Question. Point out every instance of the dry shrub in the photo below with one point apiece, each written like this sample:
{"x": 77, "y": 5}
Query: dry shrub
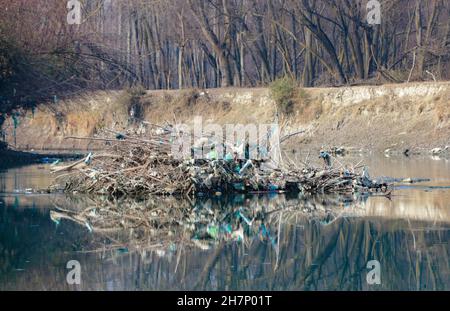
{"x": 283, "y": 92}
{"x": 189, "y": 98}
{"x": 136, "y": 93}
{"x": 226, "y": 106}
{"x": 290, "y": 98}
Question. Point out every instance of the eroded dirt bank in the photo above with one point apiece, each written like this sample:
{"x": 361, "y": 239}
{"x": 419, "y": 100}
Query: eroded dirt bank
{"x": 412, "y": 116}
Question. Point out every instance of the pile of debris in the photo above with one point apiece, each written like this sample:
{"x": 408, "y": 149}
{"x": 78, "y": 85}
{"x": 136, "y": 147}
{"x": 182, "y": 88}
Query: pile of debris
{"x": 137, "y": 166}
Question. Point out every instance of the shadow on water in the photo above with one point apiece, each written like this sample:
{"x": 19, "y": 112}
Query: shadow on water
{"x": 252, "y": 243}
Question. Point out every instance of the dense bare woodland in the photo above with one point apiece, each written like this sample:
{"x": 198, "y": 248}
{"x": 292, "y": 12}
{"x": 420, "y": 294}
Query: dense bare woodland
{"x": 170, "y": 44}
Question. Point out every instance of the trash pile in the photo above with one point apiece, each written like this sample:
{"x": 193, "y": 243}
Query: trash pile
{"x": 137, "y": 166}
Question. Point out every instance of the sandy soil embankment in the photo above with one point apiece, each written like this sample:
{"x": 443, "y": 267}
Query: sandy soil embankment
{"x": 412, "y": 116}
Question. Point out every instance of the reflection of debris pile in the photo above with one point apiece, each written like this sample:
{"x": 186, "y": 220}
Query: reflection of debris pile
{"x": 162, "y": 223}
{"x": 135, "y": 166}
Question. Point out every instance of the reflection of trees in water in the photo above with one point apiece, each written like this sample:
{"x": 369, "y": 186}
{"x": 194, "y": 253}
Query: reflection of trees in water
{"x": 2, "y": 183}
{"x": 31, "y": 247}
{"x": 312, "y": 250}
{"x": 314, "y": 257}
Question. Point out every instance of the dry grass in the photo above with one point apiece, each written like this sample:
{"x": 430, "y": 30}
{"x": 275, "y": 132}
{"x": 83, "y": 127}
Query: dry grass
{"x": 378, "y": 119}
{"x": 442, "y": 108}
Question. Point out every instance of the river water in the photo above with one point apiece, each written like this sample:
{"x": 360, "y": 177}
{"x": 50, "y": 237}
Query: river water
{"x": 408, "y": 235}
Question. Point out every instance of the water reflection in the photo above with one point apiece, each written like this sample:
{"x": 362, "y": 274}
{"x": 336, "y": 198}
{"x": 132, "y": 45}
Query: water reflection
{"x": 247, "y": 243}
{"x": 294, "y": 251}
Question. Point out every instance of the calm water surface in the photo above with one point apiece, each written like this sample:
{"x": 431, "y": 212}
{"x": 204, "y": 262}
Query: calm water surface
{"x": 409, "y": 235}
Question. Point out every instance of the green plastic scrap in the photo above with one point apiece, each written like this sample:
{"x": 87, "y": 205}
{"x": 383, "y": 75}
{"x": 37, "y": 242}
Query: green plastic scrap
{"x": 15, "y": 120}
{"x": 228, "y": 228}
{"x": 213, "y": 155}
{"x": 213, "y": 231}
{"x": 229, "y": 157}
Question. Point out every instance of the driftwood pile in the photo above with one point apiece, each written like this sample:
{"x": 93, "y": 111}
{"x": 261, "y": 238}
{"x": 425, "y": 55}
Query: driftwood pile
{"x": 135, "y": 166}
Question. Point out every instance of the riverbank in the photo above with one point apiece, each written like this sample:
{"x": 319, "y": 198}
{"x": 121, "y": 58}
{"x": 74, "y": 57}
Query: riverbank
{"x": 396, "y": 118}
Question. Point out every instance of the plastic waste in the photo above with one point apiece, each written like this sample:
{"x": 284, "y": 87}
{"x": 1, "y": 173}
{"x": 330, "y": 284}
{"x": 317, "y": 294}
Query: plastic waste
{"x": 239, "y": 186}
{"x": 120, "y": 136}
{"x": 365, "y": 178}
{"x": 248, "y": 221}
{"x": 15, "y": 120}
{"x": 238, "y": 235}
{"x": 273, "y": 188}
{"x": 228, "y": 157}
{"x": 122, "y": 250}
{"x": 213, "y": 231}
{"x": 89, "y": 227}
{"x": 326, "y": 157}
{"x": 245, "y": 167}
{"x": 56, "y": 219}
{"x": 213, "y": 155}
{"x": 227, "y": 228}
{"x": 172, "y": 247}
{"x": 88, "y": 159}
